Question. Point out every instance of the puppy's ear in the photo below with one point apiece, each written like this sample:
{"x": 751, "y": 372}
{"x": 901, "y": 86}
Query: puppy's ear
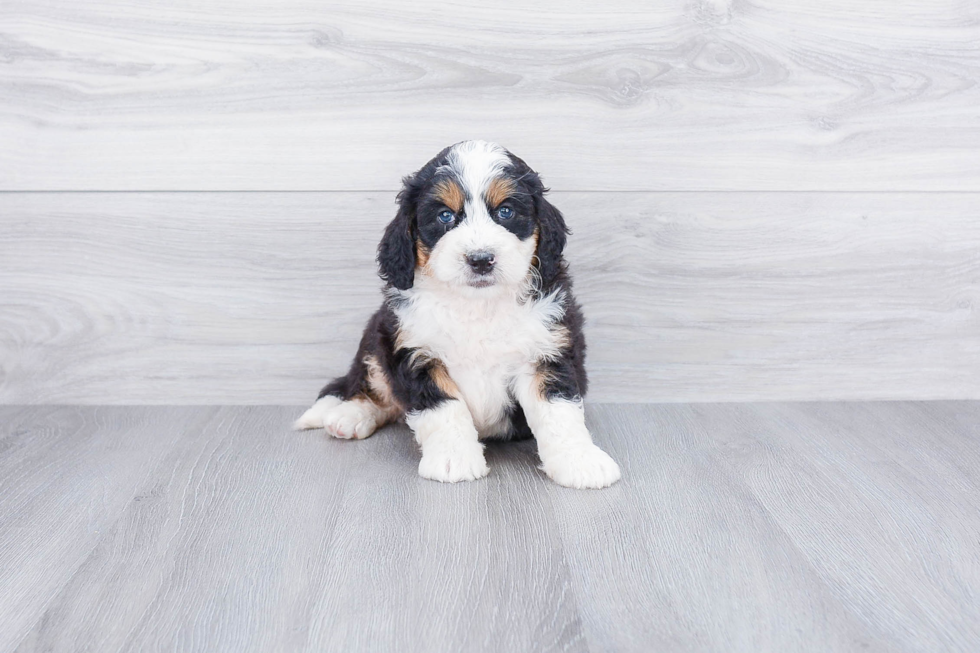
{"x": 396, "y": 252}
{"x": 552, "y": 233}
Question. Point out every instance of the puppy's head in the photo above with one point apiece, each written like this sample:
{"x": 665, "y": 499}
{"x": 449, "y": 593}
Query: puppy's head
{"x": 474, "y": 218}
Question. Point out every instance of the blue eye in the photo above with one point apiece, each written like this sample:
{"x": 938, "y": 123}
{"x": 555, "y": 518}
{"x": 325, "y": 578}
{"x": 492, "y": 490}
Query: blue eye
{"x": 445, "y": 217}
{"x": 505, "y": 213}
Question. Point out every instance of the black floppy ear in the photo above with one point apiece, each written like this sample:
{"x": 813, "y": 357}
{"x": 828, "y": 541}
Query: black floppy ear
{"x": 552, "y": 233}
{"x": 396, "y": 252}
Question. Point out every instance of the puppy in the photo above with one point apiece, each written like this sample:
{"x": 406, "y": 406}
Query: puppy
{"x": 478, "y": 336}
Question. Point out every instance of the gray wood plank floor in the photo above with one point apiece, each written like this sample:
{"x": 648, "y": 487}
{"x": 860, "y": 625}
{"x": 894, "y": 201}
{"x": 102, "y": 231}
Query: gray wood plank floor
{"x": 617, "y": 95}
{"x": 259, "y": 298}
{"x": 737, "y": 527}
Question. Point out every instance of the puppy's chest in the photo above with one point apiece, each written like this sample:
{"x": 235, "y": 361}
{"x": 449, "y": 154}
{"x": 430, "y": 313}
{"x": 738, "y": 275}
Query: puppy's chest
{"x": 478, "y": 335}
{"x": 483, "y": 345}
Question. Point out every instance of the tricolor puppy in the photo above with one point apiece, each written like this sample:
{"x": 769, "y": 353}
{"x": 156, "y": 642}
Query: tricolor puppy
{"x": 479, "y": 336}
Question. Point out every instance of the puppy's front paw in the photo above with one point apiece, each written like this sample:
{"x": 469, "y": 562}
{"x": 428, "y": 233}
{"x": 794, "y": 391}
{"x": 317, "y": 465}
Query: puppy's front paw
{"x": 453, "y": 462}
{"x": 581, "y": 466}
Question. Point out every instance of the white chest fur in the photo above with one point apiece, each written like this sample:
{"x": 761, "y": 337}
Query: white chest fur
{"x": 484, "y": 342}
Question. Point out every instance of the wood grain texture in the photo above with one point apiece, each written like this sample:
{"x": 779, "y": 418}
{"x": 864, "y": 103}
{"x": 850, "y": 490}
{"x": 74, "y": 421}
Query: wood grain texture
{"x": 254, "y": 538}
{"x": 446, "y": 567}
{"x": 303, "y": 94}
{"x": 129, "y": 298}
{"x": 781, "y": 527}
{"x": 680, "y": 556}
{"x": 737, "y": 527}
{"x": 66, "y": 476}
{"x": 887, "y": 501}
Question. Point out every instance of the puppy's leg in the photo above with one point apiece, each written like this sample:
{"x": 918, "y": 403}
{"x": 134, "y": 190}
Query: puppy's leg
{"x": 441, "y": 422}
{"x": 356, "y": 418}
{"x": 565, "y": 446}
{"x": 355, "y": 405}
{"x": 451, "y": 449}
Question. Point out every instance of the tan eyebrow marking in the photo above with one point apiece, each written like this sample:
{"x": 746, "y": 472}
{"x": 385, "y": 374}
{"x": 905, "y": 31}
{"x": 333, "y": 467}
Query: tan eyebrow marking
{"x": 500, "y": 188}
{"x": 450, "y": 194}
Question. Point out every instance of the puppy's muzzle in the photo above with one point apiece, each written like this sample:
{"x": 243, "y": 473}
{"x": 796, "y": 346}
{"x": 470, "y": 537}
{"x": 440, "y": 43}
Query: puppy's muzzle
{"x": 481, "y": 262}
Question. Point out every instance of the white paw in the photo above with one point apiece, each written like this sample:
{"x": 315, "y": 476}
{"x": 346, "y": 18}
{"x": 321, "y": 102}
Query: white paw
{"x": 581, "y": 467}
{"x": 453, "y": 461}
{"x": 348, "y": 420}
{"x": 313, "y": 418}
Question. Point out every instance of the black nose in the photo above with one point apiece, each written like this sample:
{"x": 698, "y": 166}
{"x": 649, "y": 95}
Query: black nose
{"x": 481, "y": 262}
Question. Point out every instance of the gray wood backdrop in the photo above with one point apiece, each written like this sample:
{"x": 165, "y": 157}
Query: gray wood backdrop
{"x": 770, "y": 200}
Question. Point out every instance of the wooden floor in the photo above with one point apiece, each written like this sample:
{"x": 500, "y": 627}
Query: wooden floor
{"x": 736, "y": 527}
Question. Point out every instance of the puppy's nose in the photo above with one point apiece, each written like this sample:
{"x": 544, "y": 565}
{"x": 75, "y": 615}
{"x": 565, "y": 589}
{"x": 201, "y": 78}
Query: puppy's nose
{"x": 481, "y": 262}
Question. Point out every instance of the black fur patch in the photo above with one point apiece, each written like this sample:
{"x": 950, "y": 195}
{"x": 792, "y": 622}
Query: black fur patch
{"x": 411, "y": 384}
{"x": 519, "y": 430}
{"x": 566, "y": 377}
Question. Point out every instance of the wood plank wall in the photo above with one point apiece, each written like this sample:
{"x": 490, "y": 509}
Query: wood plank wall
{"x": 770, "y": 200}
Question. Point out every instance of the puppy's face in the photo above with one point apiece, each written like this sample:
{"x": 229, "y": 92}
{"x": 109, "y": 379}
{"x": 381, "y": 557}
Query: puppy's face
{"x": 474, "y": 219}
{"x": 476, "y": 224}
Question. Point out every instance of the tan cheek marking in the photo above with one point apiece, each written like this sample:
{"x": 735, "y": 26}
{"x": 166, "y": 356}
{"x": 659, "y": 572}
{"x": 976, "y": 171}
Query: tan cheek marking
{"x": 500, "y": 188}
{"x": 450, "y": 194}
{"x": 534, "y": 256}
{"x": 422, "y": 257}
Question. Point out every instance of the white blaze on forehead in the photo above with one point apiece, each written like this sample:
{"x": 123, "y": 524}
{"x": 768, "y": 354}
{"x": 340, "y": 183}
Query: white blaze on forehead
{"x": 476, "y": 164}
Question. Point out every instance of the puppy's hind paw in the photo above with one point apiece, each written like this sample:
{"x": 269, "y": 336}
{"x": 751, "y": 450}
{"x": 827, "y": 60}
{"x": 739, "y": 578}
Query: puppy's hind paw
{"x": 313, "y": 417}
{"x": 354, "y": 419}
{"x": 581, "y": 467}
